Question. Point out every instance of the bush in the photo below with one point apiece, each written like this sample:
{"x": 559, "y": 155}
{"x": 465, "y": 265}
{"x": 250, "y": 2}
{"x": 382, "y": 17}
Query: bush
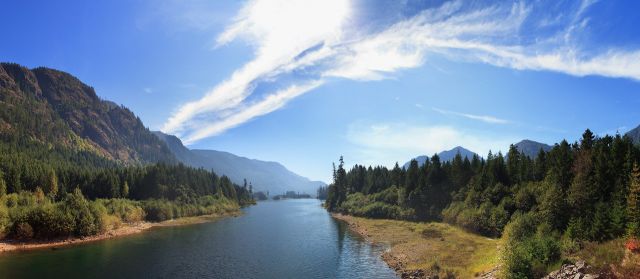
{"x": 157, "y": 210}
{"x": 78, "y": 207}
{"x": 358, "y": 204}
{"x": 5, "y": 221}
{"x": 21, "y": 216}
{"x": 23, "y": 231}
{"x": 99, "y": 213}
{"x": 529, "y": 249}
{"x": 126, "y": 210}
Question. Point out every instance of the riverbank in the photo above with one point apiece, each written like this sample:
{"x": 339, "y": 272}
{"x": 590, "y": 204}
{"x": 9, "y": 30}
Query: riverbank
{"x": 124, "y": 230}
{"x": 417, "y": 250}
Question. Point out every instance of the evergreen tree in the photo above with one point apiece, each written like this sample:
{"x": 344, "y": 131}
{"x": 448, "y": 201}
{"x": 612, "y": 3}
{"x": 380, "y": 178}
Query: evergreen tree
{"x": 52, "y": 184}
{"x": 124, "y": 192}
{"x": 3, "y": 185}
{"x": 412, "y": 176}
{"x": 633, "y": 203}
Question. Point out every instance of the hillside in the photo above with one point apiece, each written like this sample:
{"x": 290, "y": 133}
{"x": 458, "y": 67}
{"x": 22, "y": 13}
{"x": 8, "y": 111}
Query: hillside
{"x": 532, "y": 148}
{"x": 53, "y": 107}
{"x": 264, "y": 176}
{"x": 634, "y": 135}
{"x": 445, "y": 156}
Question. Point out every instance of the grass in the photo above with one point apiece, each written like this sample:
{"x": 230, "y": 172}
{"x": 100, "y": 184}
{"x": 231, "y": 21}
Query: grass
{"x": 428, "y": 245}
{"x": 609, "y": 257}
{"x": 600, "y": 255}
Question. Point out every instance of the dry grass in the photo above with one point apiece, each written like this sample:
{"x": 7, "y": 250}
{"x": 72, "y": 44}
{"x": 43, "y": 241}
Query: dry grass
{"x": 610, "y": 258}
{"x": 425, "y": 245}
{"x": 600, "y": 255}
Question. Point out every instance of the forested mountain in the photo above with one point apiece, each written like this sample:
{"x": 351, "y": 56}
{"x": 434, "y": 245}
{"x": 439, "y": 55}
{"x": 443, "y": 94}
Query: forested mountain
{"x": 72, "y": 164}
{"x": 542, "y": 207}
{"x": 531, "y": 148}
{"x": 264, "y": 176}
{"x": 444, "y": 156}
{"x": 54, "y": 107}
{"x": 634, "y": 135}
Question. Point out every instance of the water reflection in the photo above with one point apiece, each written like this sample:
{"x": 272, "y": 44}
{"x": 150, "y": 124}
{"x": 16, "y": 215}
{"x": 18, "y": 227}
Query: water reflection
{"x": 284, "y": 239}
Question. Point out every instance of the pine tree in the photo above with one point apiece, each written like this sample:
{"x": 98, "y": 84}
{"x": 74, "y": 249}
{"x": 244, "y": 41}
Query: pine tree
{"x": 412, "y": 176}
{"x": 125, "y": 190}
{"x": 633, "y": 203}
{"x": 3, "y": 185}
{"x": 52, "y": 184}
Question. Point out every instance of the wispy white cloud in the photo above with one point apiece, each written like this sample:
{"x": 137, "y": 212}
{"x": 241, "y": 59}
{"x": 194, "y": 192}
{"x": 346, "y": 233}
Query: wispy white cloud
{"x": 304, "y": 42}
{"x": 280, "y": 30}
{"x": 483, "y": 118}
{"x": 245, "y": 113}
{"x": 148, "y": 90}
{"x": 397, "y": 142}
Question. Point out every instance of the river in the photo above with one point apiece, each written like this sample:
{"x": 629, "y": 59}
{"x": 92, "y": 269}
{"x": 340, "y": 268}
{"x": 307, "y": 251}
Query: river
{"x": 273, "y": 239}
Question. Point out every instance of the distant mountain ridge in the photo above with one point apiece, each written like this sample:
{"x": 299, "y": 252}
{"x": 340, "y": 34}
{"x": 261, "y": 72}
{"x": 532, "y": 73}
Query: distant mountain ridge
{"x": 445, "y": 156}
{"x": 528, "y": 147}
{"x": 264, "y": 176}
{"x": 53, "y": 107}
{"x": 531, "y": 148}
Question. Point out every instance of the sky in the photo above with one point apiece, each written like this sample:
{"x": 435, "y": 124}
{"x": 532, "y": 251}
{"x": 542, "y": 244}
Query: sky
{"x": 303, "y": 82}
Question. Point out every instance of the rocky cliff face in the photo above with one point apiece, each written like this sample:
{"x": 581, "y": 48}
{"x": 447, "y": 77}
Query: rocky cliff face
{"x": 54, "y": 107}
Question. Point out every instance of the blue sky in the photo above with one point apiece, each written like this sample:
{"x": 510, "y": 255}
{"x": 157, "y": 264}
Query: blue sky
{"x": 303, "y": 82}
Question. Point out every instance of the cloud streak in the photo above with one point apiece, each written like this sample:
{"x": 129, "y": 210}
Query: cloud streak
{"x": 483, "y": 118}
{"x": 301, "y": 44}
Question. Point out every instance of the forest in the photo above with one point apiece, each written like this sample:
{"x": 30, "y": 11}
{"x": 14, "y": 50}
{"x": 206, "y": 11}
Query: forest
{"x": 541, "y": 207}
{"x": 48, "y": 191}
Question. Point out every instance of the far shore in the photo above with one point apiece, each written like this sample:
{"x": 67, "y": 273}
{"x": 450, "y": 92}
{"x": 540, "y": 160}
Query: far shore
{"x": 126, "y": 229}
{"x": 419, "y": 249}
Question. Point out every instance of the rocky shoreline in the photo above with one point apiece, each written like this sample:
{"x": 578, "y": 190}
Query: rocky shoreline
{"x": 125, "y": 230}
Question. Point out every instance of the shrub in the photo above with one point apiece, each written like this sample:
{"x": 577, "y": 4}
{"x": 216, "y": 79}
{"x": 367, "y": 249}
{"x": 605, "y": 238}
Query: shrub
{"x": 632, "y": 245}
{"x": 5, "y": 222}
{"x": 529, "y": 248}
{"x": 11, "y": 200}
{"x": 23, "y": 231}
{"x": 126, "y": 210}
{"x": 157, "y": 210}
{"x": 78, "y": 207}
{"x": 99, "y": 213}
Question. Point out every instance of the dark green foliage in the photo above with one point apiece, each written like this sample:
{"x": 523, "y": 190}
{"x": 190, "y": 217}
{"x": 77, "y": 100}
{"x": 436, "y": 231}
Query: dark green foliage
{"x": 322, "y": 192}
{"x": 530, "y": 247}
{"x": 633, "y": 203}
{"x": 582, "y": 192}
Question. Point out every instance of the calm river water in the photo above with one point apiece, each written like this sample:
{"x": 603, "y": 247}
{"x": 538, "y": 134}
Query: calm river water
{"x": 274, "y": 239}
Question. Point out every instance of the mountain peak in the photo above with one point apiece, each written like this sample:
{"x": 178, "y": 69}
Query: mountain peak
{"x": 634, "y": 134}
{"x": 444, "y": 156}
{"x": 531, "y": 148}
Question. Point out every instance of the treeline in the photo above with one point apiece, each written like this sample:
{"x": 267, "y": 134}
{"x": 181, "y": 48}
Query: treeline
{"x": 48, "y": 191}
{"x": 542, "y": 207}
{"x": 292, "y": 195}
{"x": 61, "y": 171}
